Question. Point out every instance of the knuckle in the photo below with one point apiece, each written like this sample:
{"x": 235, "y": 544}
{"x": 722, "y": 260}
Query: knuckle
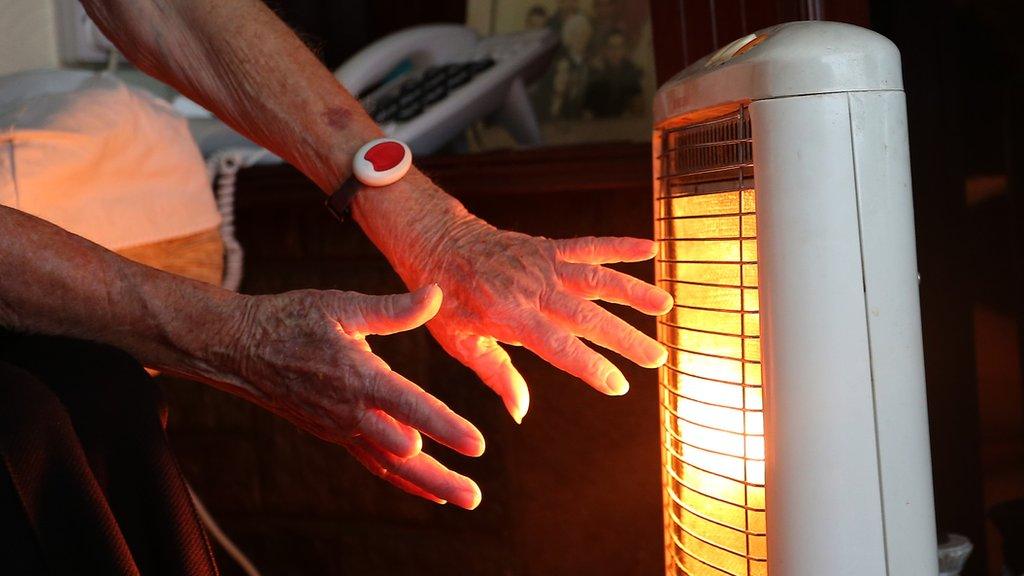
{"x": 588, "y": 247}
{"x": 597, "y": 366}
{"x": 399, "y": 467}
{"x": 627, "y": 284}
{"x": 547, "y": 299}
{"x": 400, "y": 408}
{"x": 450, "y": 485}
{"x": 523, "y": 324}
{"x": 592, "y": 276}
{"x": 632, "y": 339}
{"x": 374, "y": 388}
{"x": 562, "y": 345}
{"x": 518, "y": 311}
{"x": 551, "y": 247}
{"x": 342, "y": 298}
{"x": 589, "y": 316}
{"x": 360, "y": 424}
{"x": 414, "y": 408}
{"x": 391, "y": 304}
{"x": 354, "y": 321}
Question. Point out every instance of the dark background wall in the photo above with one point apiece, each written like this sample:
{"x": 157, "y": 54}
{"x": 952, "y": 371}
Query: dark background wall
{"x": 336, "y": 30}
{"x": 962, "y": 69}
{"x": 575, "y": 489}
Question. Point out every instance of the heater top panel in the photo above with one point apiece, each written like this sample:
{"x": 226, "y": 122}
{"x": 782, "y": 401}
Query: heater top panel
{"x": 792, "y": 59}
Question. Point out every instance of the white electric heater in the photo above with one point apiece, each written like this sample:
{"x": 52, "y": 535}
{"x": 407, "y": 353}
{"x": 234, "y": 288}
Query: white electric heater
{"x": 795, "y": 432}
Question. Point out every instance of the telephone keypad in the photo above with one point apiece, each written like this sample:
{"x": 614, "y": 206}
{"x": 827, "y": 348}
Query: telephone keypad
{"x": 430, "y": 86}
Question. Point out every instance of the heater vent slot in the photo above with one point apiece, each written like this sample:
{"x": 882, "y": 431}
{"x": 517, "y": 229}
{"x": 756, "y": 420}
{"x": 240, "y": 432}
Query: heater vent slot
{"x": 716, "y": 153}
{"x": 711, "y": 389}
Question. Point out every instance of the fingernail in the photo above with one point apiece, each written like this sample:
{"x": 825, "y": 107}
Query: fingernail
{"x": 666, "y": 303}
{"x": 517, "y": 408}
{"x": 467, "y": 497}
{"x": 662, "y": 358}
{"x": 616, "y": 384}
{"x": 514, "y": 413}
{"x": 474, "y": 446}
{"x": 473, "y": 498}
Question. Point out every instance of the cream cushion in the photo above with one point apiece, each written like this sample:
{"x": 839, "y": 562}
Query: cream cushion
{"x": 106, "y": 161}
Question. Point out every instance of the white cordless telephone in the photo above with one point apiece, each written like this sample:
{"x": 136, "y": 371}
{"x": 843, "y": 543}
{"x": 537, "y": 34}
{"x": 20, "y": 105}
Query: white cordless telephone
{"x": 426, "y": 84}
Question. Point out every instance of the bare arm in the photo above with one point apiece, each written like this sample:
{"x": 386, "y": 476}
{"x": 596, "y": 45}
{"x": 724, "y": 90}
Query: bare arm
{"x": 54, "y": 282}
{"x": 302, "y": 355}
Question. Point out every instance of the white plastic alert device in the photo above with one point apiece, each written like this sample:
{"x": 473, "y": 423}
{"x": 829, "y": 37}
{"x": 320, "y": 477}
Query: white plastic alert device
{"x": 794, "y": 417}
{"x": 377, "y": 163}
{"x": 381, "y": 162}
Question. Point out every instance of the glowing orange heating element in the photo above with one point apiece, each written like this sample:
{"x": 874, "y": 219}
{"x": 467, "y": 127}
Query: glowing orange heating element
{"x": 714, "y": 448}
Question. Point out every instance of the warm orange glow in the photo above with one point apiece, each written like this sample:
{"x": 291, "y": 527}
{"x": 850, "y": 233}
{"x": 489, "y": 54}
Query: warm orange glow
{"x": 711, "y": 386}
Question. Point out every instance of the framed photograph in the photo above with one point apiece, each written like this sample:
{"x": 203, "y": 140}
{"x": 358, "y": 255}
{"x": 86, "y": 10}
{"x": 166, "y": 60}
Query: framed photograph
{"x": 599, "y": 85}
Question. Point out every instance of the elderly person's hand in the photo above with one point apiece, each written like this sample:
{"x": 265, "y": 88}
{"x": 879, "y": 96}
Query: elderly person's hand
{"x": 499, "y": 286}
{"x": 303, "y": 355}
{"x": 516, "y": 289}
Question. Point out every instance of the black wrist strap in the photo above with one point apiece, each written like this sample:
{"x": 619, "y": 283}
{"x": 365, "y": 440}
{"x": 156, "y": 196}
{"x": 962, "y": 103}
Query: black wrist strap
{"x": 340, "y": 202}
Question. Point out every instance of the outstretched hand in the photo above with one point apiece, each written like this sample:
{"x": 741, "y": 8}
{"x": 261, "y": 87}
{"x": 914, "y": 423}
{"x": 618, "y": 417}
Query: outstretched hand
{"x": 511, "y": 288}
{"x": 304, "y": 356}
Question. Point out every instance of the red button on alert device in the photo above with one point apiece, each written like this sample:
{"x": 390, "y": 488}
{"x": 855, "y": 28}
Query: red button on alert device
{"x": 381, "y": 162}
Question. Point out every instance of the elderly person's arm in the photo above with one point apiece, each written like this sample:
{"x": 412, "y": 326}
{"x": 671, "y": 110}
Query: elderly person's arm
{"x": 240, "y": 61}
{"x": 302, "y": 355}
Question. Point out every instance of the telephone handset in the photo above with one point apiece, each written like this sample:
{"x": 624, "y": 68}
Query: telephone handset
{"x": 420, "y": 46}
{"x": 426, "y": 84}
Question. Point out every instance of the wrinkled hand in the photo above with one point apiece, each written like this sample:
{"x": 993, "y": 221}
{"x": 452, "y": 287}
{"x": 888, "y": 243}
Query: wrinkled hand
{"x": 304, "y": 356}
{"x": 516, "y": 289}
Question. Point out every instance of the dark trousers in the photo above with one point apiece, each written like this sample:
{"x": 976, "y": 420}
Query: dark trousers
{"x": 88, "y": 484}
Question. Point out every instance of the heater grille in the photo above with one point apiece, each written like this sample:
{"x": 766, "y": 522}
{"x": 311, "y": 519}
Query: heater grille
{"x": 713, "y": 425}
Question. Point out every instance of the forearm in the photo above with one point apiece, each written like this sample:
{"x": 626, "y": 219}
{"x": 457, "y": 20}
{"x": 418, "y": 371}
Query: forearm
{"x": 291, "y": 353}
{"x": 54, "y": 282}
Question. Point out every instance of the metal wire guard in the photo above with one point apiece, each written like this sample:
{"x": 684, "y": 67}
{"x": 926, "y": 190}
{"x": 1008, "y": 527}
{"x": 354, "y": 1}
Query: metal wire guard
{"x": 711, "y": 400}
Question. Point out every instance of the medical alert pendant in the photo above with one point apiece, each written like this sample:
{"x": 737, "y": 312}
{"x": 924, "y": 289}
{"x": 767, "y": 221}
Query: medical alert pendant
{"x": 377, "y": 163}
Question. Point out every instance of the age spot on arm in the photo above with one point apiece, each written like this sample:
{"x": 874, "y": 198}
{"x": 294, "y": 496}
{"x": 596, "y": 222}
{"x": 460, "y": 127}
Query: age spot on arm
{"x": 337, "y": 117}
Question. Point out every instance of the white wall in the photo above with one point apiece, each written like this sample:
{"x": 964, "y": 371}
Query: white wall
{"x": 28, "y": 35}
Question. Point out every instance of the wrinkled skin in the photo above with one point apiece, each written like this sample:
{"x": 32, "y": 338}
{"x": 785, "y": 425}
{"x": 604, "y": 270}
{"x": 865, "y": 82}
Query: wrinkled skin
{"x": 304, "y": 354}
{"x": 511, "y": 288}
{"x": 306, "y": 359}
